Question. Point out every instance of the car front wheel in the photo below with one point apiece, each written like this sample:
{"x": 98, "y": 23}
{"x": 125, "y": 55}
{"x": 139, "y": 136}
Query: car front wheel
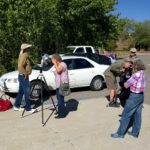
{"x": 35, "y": 88}
{"x": 96, "y": 84}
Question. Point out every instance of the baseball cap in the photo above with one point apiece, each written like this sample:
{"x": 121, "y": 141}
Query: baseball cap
{"x": 133, "y": 50}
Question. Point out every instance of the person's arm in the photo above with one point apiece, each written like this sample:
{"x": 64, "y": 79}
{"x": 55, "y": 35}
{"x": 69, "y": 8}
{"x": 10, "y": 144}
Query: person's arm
{"x": 113, "y": 67}
{"x": 59, "y": 68}
{"x": 131, "y": 81}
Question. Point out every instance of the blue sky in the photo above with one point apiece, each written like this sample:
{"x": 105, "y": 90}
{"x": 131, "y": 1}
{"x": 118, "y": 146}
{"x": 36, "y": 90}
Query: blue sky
{"x": 138, "y": 10}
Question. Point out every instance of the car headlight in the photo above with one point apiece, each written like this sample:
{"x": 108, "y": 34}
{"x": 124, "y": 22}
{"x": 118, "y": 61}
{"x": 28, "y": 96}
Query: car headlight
{"x": 2, "y": 79}
{"x": 13, "y": 80}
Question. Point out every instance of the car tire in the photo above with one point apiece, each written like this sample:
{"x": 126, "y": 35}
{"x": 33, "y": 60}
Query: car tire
{"x": 97, "y": 83}
{"x": 35, "y": 88}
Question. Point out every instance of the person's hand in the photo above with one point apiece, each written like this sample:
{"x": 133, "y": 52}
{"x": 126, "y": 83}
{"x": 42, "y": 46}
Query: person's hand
{"x": 25, "y": 76}
{"x": 122, "y": 70}
{"x": 54, "y": 62}
{"x": 125, "y": 85}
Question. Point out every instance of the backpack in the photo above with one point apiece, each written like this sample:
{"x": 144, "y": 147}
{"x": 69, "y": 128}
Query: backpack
{"x": 5, "y": 105}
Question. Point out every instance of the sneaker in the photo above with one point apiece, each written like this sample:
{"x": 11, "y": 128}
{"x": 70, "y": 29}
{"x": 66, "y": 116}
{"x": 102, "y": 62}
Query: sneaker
{"x": 18, "y": 109}
{"x": 32, "y": 111}
{"x": 116, "y": 135}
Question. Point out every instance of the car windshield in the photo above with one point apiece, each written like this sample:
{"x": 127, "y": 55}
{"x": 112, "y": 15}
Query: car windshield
{"x": 100, "y": 59}
{"x": 45, "y": 67}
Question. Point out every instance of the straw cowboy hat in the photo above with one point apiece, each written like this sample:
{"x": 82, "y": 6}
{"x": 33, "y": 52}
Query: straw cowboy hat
{"x": 25, "y": 46}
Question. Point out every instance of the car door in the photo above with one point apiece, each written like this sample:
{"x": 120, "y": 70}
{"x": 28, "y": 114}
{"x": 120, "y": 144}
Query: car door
{"x": 70, "y": 66}
{"x": 83, "y": 72}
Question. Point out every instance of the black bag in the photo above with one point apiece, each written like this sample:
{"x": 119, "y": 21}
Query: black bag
{"x": 64, "y": 89}
{"x": 123, "y": 96}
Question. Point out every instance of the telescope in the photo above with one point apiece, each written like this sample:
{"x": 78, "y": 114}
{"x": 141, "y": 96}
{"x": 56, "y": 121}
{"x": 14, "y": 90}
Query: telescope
{"x": 45, "y": 61}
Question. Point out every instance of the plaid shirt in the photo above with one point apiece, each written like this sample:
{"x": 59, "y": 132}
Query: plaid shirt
{"x": 137, "y": 82}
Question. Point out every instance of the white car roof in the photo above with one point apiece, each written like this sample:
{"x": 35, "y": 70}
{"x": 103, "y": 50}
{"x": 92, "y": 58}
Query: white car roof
{"x": 82, "y": 57}
{"x": 79, "y": 46}
{"x": 71, "y": 56}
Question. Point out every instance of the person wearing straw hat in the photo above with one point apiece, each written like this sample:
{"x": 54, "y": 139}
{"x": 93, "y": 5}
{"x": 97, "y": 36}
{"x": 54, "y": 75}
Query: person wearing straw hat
{"x": 24, "y": 68}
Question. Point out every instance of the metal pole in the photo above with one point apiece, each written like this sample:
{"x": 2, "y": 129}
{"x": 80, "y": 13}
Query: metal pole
{"x": 42, "y": 100}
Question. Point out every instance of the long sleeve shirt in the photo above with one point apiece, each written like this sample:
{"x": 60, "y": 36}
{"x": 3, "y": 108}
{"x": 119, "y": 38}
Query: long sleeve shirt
{"x": 24, "y": 64}
{"x": 137, "y": 82}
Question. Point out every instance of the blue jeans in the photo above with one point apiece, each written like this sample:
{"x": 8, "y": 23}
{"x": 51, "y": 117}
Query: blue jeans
{"x": 61, "y": 104}
{"x": 132, "y": 112}
{"x": 24, "y": 88}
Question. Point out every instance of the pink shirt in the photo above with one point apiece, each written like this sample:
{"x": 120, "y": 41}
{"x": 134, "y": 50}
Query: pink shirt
{"x": 63, "y": 77}
{"x": 137, "y": 82}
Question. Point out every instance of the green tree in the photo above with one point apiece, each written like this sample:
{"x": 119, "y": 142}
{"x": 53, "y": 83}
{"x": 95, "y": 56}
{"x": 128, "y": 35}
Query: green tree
{"x": 88, "y": 22}
{"x": 137, "y": 34}
{"x": 142, "y": 35}
{"x": 51, "y": 25}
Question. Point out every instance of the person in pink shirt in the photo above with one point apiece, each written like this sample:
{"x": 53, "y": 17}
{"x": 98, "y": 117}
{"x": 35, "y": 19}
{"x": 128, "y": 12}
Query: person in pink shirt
{"x": 61, "y": 76}
{"x": 132, "y": 112}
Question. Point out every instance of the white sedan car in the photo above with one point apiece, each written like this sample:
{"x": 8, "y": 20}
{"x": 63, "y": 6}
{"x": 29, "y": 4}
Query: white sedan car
{"x": 83, "y": 72}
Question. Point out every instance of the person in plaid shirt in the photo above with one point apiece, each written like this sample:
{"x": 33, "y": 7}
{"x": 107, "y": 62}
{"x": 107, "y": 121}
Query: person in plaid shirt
{"x": 132, "y": 112}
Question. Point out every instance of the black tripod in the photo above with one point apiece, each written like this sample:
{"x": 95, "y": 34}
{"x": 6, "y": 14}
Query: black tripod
{"x": 5, "y": 89}
{"x": 42, "y": 79}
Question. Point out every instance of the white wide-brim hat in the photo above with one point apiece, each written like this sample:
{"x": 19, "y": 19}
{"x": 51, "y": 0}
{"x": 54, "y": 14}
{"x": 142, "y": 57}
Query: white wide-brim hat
{"x": 25, "y": 46}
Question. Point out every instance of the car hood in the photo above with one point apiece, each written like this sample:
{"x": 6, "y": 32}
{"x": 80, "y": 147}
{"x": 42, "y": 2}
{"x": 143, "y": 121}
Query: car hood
{"x": 14, "y": 74}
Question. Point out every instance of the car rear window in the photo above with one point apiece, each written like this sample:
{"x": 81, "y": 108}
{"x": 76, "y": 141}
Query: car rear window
{"x": 100, "y": 59}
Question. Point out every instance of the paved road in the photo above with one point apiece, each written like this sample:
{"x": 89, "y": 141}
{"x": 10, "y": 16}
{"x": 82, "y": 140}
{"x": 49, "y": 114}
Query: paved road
{"x": 87, "y": 126}
{"x": 85, "y": 93}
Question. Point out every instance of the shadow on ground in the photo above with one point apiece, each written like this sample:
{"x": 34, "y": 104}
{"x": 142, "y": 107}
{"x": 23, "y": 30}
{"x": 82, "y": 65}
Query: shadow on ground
{"x": 72, "y": 105}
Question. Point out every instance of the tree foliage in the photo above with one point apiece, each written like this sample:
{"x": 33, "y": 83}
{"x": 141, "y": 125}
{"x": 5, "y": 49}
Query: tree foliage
{"x": 51, "y": 25}
{"x": 142, "y": 35}
{"x": 138, "y": 33}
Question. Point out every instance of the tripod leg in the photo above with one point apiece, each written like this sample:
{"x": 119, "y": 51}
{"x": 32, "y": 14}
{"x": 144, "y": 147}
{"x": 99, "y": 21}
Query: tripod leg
{"x": 50, "y": 96}
{"x": 54, "y": 104}
{"x": 42, "y": 101}
{"x": 23, "y": 112}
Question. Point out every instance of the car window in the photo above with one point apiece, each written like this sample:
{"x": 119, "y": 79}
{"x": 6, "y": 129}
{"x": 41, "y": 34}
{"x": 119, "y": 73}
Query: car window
{"x": 89, "y": 50}
{"x": 100, "y": 59}
{"x": 82, "y": 64}
{"x": 104, "y": 60}
{"x": 96, "y": 51}
{"x": 69, "y": 63}
{"x": 94, "y": 58}
{"x": 79, "y": 50}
